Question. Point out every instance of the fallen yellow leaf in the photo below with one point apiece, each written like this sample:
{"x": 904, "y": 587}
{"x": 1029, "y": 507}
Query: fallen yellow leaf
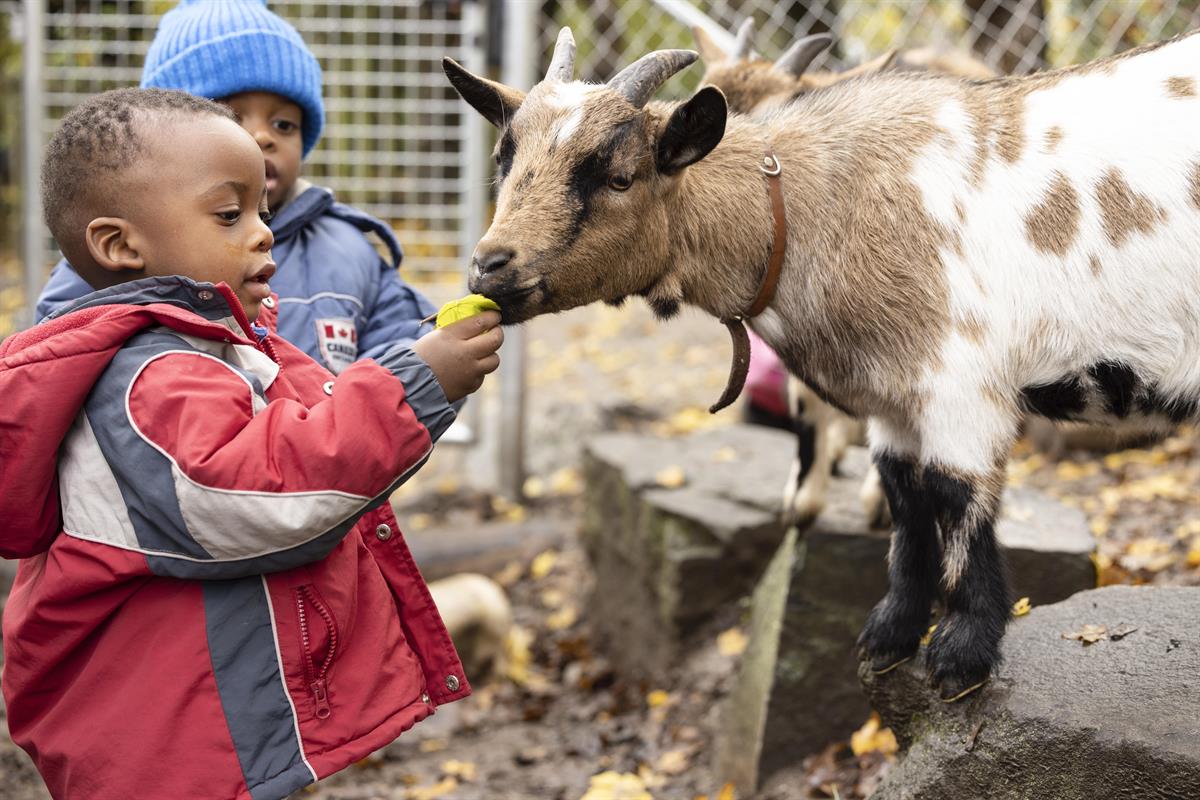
{"x": 671, "y": 478}
{"x": 534, "y": 487}
{"x": 1193, "y": 556}
{"x": 1088, "y": 634}
{"x": 562, "y": 619}
{"x": 433, "y": 745}
{"x": 731, "y": 642}
{"x": 439, "y": 789}
{"x": 463, "y": 770}
{"x": 873, "y": 737}
{"x": 616, "y": 786}
{"x": 542, "y": 564}
{"x": 672, "y": 762}
{"x": 657, "y": 698}
{"x": 518, "y": 655}
{"x": 1115, "y": 461}
{"x": 1073, "y": 471}
{"x": 566, "y": 481}
{"x": 727, "y": 793}
{"x": 1021, "y": 607}
{"x": 650, "y": 778}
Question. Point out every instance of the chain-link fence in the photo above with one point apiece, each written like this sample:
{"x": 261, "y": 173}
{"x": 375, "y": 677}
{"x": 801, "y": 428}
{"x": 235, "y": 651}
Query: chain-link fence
{"x": 396, "y": 134}
{"x": 1010, "y": 36}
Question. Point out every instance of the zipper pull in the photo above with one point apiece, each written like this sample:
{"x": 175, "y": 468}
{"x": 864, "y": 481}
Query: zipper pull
{"x": 321, "y": 696}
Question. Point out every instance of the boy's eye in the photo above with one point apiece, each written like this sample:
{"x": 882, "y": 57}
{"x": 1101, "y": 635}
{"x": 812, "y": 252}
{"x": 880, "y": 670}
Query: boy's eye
{"x": 285, "y": 126}
{"x": 230, "y": 216}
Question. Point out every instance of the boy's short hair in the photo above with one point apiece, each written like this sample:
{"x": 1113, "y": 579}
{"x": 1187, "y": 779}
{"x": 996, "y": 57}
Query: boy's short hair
{"x": 95, "y": 142}
{"x": 219, "y": 48}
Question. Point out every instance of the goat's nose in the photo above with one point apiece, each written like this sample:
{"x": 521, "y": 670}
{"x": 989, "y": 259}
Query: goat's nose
{"x": 492, "y": 260}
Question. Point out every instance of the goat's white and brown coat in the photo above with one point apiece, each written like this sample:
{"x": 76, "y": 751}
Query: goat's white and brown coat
{"x": 957, "y": 252}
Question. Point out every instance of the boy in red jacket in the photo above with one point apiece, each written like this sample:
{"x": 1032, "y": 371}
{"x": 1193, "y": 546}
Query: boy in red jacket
{"x": 214, "y": 599}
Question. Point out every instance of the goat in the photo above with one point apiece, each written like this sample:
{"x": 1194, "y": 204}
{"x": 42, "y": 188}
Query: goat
{"x": 479, "y": 617}
{"x": 753, "y": 85}
{"x": 957, "y": 253}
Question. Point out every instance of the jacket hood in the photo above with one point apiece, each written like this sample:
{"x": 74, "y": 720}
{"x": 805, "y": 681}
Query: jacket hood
{"x": 47, "y": 371}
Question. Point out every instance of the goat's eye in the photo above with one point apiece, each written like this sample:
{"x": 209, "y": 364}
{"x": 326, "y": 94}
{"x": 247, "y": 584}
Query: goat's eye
{"x": 619, "y": 183}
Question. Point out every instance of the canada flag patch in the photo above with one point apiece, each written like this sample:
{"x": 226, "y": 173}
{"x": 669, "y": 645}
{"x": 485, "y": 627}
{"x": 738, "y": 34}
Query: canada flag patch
{"x": 337, "y": 339}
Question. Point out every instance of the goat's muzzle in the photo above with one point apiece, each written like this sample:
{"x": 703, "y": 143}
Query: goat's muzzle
{"x": 491, "y": 260}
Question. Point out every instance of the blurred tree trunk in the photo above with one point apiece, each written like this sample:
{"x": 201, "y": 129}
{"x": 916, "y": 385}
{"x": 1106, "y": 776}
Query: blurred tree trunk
{"x": 1009, "y": 34}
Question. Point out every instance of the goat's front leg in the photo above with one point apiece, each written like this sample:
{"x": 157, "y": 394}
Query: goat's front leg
{"x": 895, "y": 626}
{"x": 966, "y": 645}
{"x": 964, "y": 449}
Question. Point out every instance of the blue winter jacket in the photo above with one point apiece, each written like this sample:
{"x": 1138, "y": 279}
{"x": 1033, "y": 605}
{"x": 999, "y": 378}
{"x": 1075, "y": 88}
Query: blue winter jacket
{"x": 339, "y": 300}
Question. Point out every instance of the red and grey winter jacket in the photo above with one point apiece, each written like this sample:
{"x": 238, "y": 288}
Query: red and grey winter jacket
{"x": 214, "y": 599}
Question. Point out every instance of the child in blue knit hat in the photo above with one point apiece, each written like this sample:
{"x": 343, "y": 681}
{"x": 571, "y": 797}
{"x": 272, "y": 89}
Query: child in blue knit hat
{"x": 338, "y": 300}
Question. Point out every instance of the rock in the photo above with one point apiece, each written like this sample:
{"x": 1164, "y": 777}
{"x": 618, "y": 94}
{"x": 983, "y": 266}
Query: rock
{"x": 486, "y": 547}
{"x": 667, "y": 557}
{"x": 796, "y": 688}
{"x": 1115, "y": 719}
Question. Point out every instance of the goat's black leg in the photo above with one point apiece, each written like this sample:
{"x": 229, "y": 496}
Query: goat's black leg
{"x": 966, "y": 645}
{"x": 895, "y": 626}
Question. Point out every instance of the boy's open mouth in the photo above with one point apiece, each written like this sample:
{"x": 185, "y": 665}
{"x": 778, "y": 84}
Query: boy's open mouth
{"x": 272, "y": 176}
{"x": 258, "y": 283}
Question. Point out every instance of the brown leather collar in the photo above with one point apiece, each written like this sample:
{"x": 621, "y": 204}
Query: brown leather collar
{"x": 740, "y": 365}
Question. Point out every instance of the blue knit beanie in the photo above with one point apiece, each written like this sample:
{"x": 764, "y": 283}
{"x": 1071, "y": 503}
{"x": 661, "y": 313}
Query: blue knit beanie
{"x": 217, "y": 48}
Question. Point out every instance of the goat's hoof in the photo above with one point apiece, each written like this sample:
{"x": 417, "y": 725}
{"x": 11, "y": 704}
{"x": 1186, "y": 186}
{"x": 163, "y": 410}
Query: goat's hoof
{"x": 960, "y": 658}
{"x": 881, "y": 667}
{"x": 889, "y": 639}
{"x": 951, "y": 693}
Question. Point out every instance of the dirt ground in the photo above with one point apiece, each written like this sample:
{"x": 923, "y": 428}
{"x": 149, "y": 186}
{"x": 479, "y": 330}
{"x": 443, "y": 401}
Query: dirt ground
{"x": 559, "y": 723}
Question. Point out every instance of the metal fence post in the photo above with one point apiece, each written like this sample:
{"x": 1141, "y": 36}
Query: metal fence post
{"x": 32, "y": 107}
{"x": 519, "y": 69}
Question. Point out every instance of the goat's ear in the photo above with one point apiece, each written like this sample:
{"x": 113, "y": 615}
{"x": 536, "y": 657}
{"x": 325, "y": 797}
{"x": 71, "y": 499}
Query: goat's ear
{"x": 693, "y": 130}
{"x": 877, "y": 64}
{"x": 495, "y": 101}
{"x": 710, "y": 51}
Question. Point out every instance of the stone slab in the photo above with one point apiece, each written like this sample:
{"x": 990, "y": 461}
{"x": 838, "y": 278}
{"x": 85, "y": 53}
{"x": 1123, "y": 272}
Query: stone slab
{"x": 1115, "y": 719}
{"x": 796, "y": 689}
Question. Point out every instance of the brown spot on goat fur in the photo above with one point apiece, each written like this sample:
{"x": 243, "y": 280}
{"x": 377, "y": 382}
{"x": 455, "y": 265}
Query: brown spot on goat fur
{"x": 1094, "y": 263}
{"x": 960, "y": 213}
{"x": 1051, "y": 225}
{"x": 1194, "y": 184}
{"x": 971, "y": 326}
{"x": 1054, "y": 135}
{"x": 1181, "y": 88}
{"x": 1122, "y": 210}
{"x": 1010, "y": 134}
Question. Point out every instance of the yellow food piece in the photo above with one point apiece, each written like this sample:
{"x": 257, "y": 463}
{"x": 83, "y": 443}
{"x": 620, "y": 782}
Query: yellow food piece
{"x": 463, "y": 308}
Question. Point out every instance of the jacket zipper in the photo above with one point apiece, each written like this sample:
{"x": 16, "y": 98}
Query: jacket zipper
{"x": 314, "y": 677}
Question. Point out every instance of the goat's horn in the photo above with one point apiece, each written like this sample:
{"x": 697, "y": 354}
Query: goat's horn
{"x": 638, "y": 82}
{"x": 562, "y": 64}
{"x": 801, "y": 54}
{"x": 742, "y": 45}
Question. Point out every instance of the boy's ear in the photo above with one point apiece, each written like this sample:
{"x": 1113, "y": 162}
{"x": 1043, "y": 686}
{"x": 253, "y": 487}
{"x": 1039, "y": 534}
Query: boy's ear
{"x": 108, "y": 242}
{"x": 693, "y": 130}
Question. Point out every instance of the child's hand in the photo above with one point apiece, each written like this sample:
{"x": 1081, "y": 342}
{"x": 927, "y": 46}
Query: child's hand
{"x": 462, "y": 353}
